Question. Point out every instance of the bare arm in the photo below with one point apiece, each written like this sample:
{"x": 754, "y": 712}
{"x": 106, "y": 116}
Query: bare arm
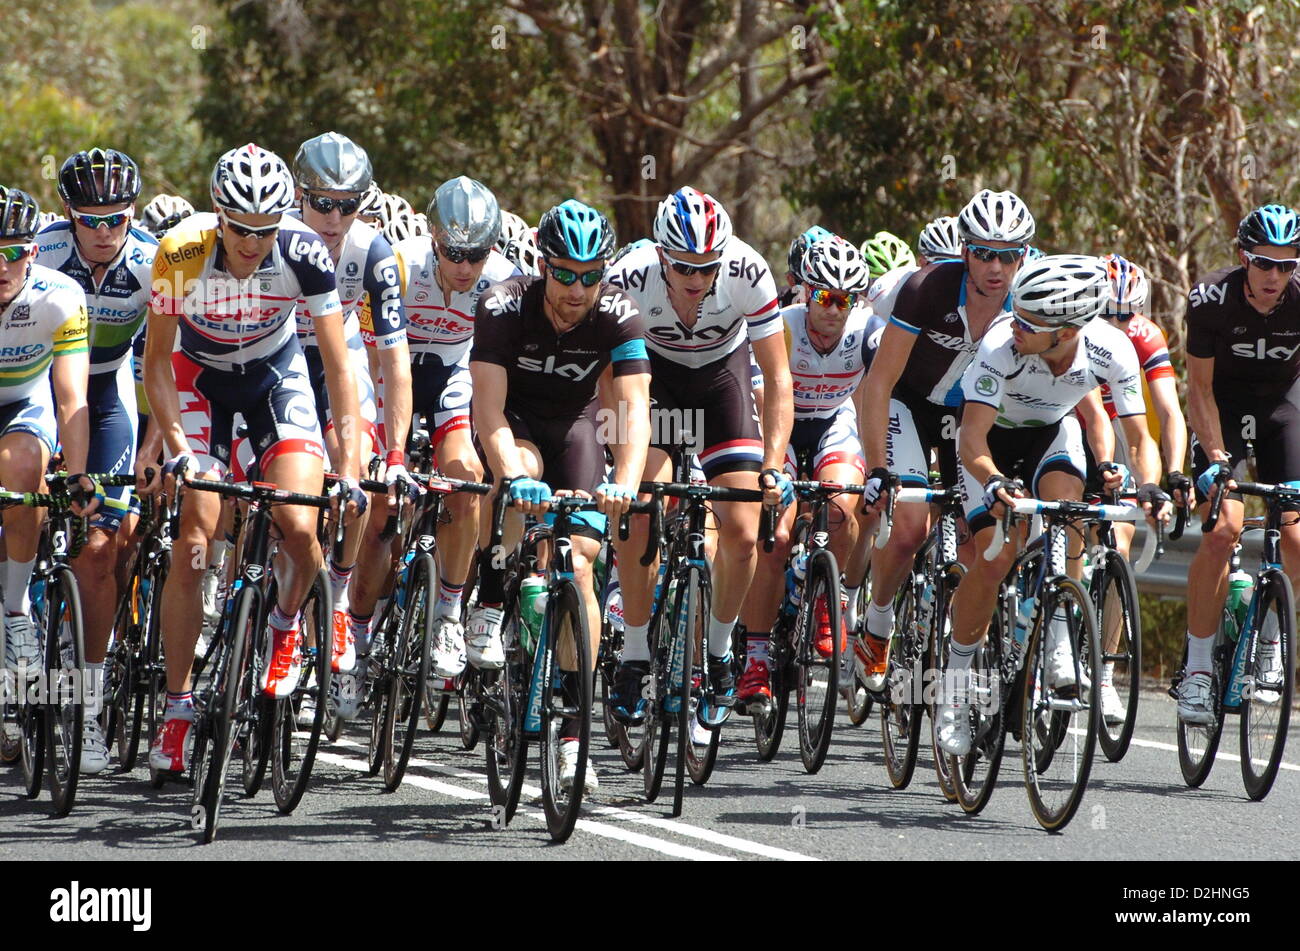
{"x": 489, "y": 409}
{"x": 1202, "y": 410}
{"x": 1146, "y": 457}
{"x": 1173, "y": 428}
{"x": 631, "y": 393}
{"x": 1101, "y": 437}
{"x": 396, "y": 364}
{"x": 891, "y": 357}
{"x": 778, "y": 398}
{"x": 973, "y": 440}
{"x": 341, "y": 385}
{"x": 160, "y": 382}
{"x": 70, "y": 374}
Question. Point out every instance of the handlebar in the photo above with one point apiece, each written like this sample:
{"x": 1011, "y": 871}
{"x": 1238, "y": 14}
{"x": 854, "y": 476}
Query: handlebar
{"x": 1078, "y": 510}
{"x": 1221, "y": 479}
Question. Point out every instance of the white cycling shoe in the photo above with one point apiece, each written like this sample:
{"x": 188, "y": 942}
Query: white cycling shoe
{"x": 1194, "y": 700}
{"x": 448, "y": 647}
{"x": 483, "y": 639}
{"x": 569, "y": 768}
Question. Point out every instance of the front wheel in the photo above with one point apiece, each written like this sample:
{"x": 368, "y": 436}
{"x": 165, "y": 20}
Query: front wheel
{"x": 1199, "y": 742}
{"x": 817, "y": 659}
{"x": 566, "y": 712}
{"x": 1270, "y": 685}
{"x": 900, "y": 714}
{"x": 975, "y": 775}
{"x": 409, "y": 671}
{"x": 505, "y": 743}
{"x": 297, "y": 720}
{"x": 1114, "y": 598}
{"x": 65, "y": 665}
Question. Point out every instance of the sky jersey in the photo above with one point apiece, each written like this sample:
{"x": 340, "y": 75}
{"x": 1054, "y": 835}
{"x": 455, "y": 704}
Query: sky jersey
{"x": 824, "y": 382}
{"x": 47, "y": 319}
{"x": 554, "y": 375}
{"x": 932, "y": 306}
{"x": 227, "y": 323}
{"x": 741, "y": 306}
{"x": 118, "y": 306}
{"x": 1254, "y": 355}
{"x": 368, "y": 277}
{"x": 437, "y": 327}
{"x": 1026, "y": 393}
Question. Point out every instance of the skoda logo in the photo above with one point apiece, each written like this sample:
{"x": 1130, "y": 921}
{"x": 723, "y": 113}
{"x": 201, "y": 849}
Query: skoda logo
{"x": 986, "y": 386}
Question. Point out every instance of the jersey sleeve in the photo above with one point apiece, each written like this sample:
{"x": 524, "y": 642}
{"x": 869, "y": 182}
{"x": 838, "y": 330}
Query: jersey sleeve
{"x": 908, "y": 310}
{"x": 494, "y": 318}
{"x": 1125, "y": 379}
{"x": 382, "y": 284}
{"x": 757, "y": 298}
{"x": 73, "y": 334}
{"x": 627, "y": 350}
{"x": 180, "y": 254}
{"x": 1201, "y": 329}
{"x": 985, "y": 379}
{"x": 1152, "y": 350}
{"x": 309, "y": 259}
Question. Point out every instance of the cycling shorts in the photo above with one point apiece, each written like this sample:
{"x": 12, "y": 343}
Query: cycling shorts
{"x": 273, "y": 396}
{"x": 442, "y": 394}
{"x": 34, "y": 415}
{"x": 111, "y": 399}
{"x": 365, "y": 392}
{"x": 709, "y": 409}
{"x": 917, "y": 428}
{"x": 1025, "y": 453}
{"x": 1272, "y": 427}
{"x": 817, "y": 443}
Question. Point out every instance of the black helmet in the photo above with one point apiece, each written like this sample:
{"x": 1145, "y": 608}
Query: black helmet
{"x": 99, "y": 177}
{"x": 18, "y": 214}
{"x": 575, "y": 231}
{"x": 1269, "y": 224}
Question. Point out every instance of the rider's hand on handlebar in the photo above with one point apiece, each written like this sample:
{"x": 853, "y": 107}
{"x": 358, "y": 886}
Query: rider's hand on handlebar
{"x": 530, "y": 496}
{"x": 999, "y": 491}
{"x": 776, "y": 487}
{"x": 1154, "y": 502}
{"x": 615, "y": 499}
{"x": 873, "y": 490}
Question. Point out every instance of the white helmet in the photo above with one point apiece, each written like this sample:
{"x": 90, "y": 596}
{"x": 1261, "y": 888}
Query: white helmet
{"x": 391, "y": 205}
{"x": 835, "y": 264}
{"x": 1128, "y": 286}
{"x": 405, "y": 224}
{"x": 371, "y": 202}
{"x": 523, "y": 254}
{"x": 995, "y": 216}
{"x": 164, "y": 212}
{"x": 45, "y": 219}
{"x": 1062, "y": 290}
{"x": 939, "y": 240}
{"x": 250, "y": 180}
{"x": 512, "y": 228}
{"x": 691, "y": 221}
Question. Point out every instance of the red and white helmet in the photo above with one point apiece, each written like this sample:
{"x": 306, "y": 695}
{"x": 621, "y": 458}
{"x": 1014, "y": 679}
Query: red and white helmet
{"x": 250, "y": 180}
{"x": 692, "y": 222}
{"x": 1128, "y": 286}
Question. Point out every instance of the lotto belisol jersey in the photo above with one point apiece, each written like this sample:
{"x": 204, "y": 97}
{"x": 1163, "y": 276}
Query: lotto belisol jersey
{"x": 47, "y": 319}
{"x": 118, "y": 302}
{"x": 435, "y": 324}
{"x": 1025, "y": 391}
{"x": 931, "y": 305}
{"x": 741, "y": 306}
{"x": 549, "y": 374}
{"x": 823, "y": 382}
{"x": 883, "y": 292}
{"x": 228, "y": 322}
{"x": 369, "y": 282}
{"x": 1255, "y": 355}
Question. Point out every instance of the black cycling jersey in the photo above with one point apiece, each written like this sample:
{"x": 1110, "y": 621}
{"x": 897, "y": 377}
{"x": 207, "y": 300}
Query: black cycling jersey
{"x": 1255, "y": 355}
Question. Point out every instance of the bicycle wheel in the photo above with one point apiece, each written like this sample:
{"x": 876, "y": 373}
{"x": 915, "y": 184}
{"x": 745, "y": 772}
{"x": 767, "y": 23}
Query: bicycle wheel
{"x": 409, "y": 670}
{"x": 123, "y": 696}
{"x": 469, "y": 730}
{"x": 435, "y": 708}
{"x": 817, "y": 674}
{"x": 680, "y": 696}
{"x": 901, "y": 715}
{"x": 154, "y": 672}
{"x": 234, "y": 690}
{"x": 506, "y": 744}
{"x": 65, "y": 667}
{"x": 975, "y": 775}
{"x": 1114, "y": 599}
{"x": 1059, "y": 724}
{"x": 606, "y": 662}
{"x": 769, "y": 727}
{"x": 1266, "y": 704}
{"x": 936, "y": 654}
{"x": 294, "y": 744}
{"x": 702, "y": 743}
{"x": 31, "y": 715}
{"x": 566, "y": 636}
{"x": 375, "y": 688}
{"x": 857, "y": 701}
{"x": 658, "y": 724}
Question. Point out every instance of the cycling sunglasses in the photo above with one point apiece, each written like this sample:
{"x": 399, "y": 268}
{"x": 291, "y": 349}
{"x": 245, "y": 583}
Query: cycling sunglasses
{"x": 1029, "y": 328}
{"x": 457, "y": 255}
{"x": 94, "y": 221}
{"x": 566, "y": 277}
{"x": 1285, "y": 265}
{"x": 826, "y": 298}
{"x": 324, "y": 205}
{"x": 688, "y": 270}
{"x": 243, "y": 231}
{"x": 983, "y": 252}
{"x": 15, "y": 252}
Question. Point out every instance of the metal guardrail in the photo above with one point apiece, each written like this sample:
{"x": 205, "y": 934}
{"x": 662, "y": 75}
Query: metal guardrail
{"x": 1167, "y": 576}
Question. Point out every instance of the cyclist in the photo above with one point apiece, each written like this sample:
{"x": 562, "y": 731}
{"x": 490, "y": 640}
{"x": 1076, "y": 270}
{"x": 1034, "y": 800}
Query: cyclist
{"x": 540, "y": 346}
{"x": 230, "y": 283}
{"x": 1020, "y": 391}
{"x": 912, "y": 398}
{"x": 885, "y": 251}
{"x": 332, "y": 174}
{"x": 1243, "y": 384}
{"x": 825, "y": 339}
{"x": 447, "y": 274}
{"x": 793, "y": 292}
{"x": 939, "y": 241}
{"x": 163, "y": 213}
{"x": 705, "y": 294}
{"x": 111, "y": 261}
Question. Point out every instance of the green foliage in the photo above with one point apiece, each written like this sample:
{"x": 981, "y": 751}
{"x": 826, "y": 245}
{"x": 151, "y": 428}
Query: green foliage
{"x": 1164, "y": 634}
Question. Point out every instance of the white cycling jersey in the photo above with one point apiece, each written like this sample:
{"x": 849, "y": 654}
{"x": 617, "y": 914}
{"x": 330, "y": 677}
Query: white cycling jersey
{"x": 824, "y": 382}
{"x": 741, "y": 306}
{"x": 46, "y": 319}
{"x": 1026, "y": 392}
{"x": 884, "y": 290}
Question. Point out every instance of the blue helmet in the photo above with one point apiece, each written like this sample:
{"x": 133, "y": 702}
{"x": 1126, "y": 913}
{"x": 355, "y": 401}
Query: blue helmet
{"x": 1269, "y": 224}
{"x": 1033, "y": 254}
{"x": 575, "y": 231}
{"x": 800, "y": 245}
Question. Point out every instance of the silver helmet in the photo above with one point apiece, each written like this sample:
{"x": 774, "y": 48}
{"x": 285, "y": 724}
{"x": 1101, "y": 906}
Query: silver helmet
{"x": 332, "y": 162}
{"x": 465, "y": 214}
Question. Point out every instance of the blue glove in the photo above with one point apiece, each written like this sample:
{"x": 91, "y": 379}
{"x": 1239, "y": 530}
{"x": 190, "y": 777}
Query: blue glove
{"x": 1123, "y": 470}
{"x": 1206, "y": 478}
{"x": 529, "y": 490}
{"x": 613, "y": 490}
{"x": 349, "y": 490}
{"x": 782, "y": 482}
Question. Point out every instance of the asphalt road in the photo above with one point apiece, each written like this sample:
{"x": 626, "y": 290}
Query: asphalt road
{"x": 1136, "y": 809}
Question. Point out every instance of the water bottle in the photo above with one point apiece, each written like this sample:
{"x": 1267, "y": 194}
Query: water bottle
{"x": 1240, "y": 585}
{"x": 927, "y": 607}
{"x": 532, "y": 610}
{"x": 798, "y": 571}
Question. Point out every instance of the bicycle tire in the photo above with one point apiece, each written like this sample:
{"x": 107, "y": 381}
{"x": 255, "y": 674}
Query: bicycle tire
{"x": 375, "y": 686}
{"x": 1266, "y": 710}
{"x": 682, "y": 695}
{"x": 293, "y": 755}
{"x": 155, "y": 672}
{"x": 1198, "y": 743}
{"x": 66, "y": 710}
{"x": 468, "y": 724}
{"x": 769, "y": 727}
{"x": 1055, "y": 799}
{"x": 702, "y": 757}
{"x": 566, "y": 621}
{"x": 122, "y": 691}
{"x": 975, "y": 775}
{"x": 857, "y": 702}
{"x": 816, "y": 707}
{"x": 900, "y": 714}
{"x": 1113, "y": 590}
{"x": 233, "y": 689}
{"x": 658, "y": 729}
{"x": 936, "y": 653}
{"x": 255, "y": 740}
{"x": 409, "y": 670}
{"x": 505, "y": 743}
{"x": 435, "y": 708}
